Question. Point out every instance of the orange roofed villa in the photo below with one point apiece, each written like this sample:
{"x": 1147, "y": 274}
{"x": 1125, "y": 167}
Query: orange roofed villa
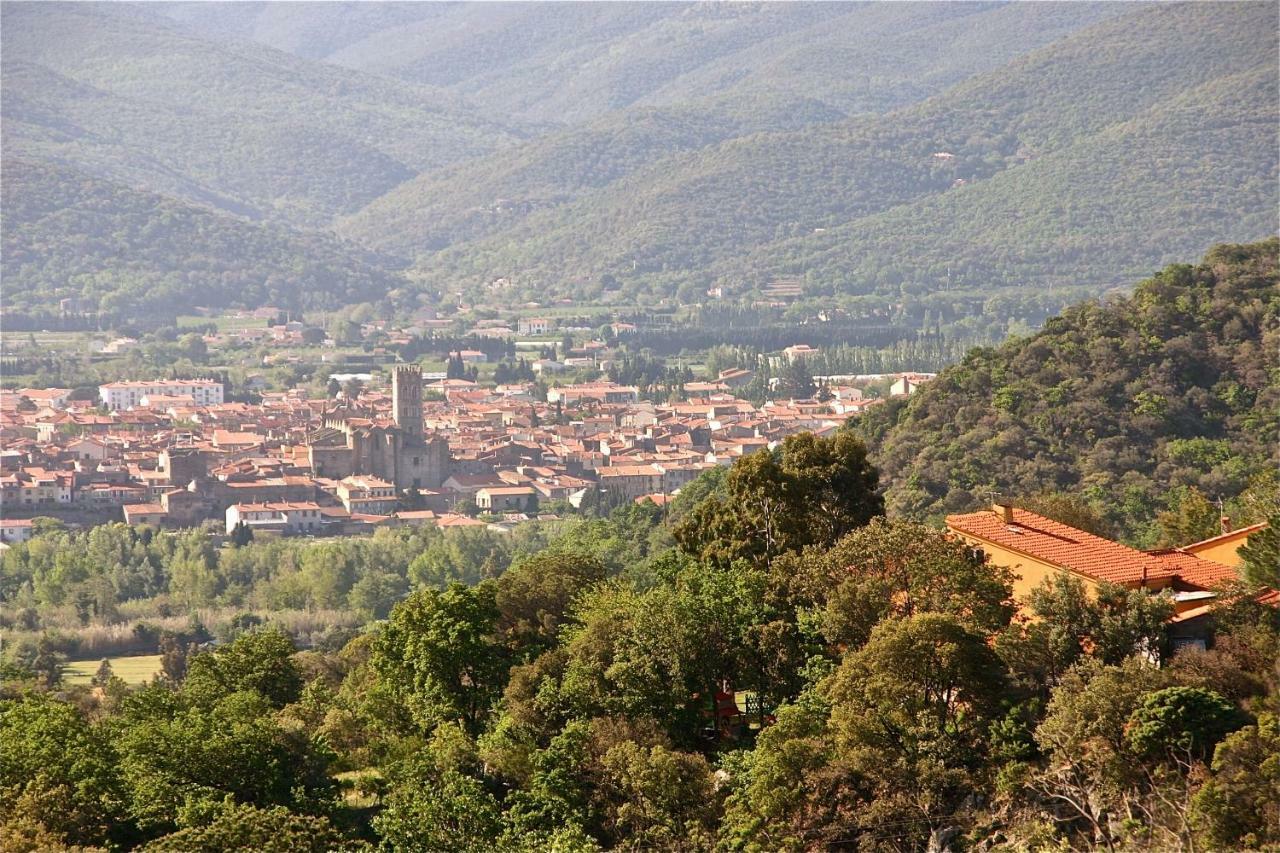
{"x": 1036, "y": 548}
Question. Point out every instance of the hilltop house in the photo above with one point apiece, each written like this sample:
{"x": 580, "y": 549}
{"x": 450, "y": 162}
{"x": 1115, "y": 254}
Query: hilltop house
{"x": 1036, "y": 548}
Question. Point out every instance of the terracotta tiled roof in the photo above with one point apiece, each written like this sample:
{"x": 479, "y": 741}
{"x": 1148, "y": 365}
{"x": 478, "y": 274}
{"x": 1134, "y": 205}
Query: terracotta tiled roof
{"x": 1194, "y": 570}
{"x": 1080, "y": 552}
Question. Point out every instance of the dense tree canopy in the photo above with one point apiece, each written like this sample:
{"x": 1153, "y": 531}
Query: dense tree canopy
{"x": 1140, "y": 405}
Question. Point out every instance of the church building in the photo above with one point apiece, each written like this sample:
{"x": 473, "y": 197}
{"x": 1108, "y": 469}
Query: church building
{"x": 398, "y": 450}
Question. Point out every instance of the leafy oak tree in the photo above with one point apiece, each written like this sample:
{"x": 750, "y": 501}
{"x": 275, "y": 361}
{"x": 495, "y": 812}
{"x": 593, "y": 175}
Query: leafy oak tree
{"x": 440, "y": 652}
{"x": 809, "y": 491}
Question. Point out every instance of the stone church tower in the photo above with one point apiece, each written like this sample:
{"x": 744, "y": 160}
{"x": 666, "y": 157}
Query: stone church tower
{"x": 406, "y": 401}
{"x": 400, "y": 452}
{"x": 422, "y": 462}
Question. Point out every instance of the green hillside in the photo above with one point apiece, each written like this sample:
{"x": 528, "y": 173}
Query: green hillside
{"x": 254, "y": 131}
{"x": 569, "y": 63}
{"x": 867, "y": 61}
{"x": 1192, "y": 171}
{"x": 137, "y": 254}
{"x": 488, "y": 194}
{"x": 694, "y": 215}
{"x": 1124, "y": 403}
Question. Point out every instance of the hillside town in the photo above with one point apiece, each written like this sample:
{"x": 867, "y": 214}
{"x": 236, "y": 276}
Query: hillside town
{"x": 425, "y": 450}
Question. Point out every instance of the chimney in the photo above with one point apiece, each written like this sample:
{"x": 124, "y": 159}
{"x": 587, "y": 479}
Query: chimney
{"x": 1225, "y": 521}
{"x": 1005, "y": 511}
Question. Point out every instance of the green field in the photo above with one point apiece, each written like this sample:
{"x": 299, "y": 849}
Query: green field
{"x": 224, "y": 322}
{"x": 133, "y": 670}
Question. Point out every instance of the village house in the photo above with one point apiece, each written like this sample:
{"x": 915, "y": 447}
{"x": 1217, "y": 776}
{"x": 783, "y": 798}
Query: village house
{"x": 507, "y": 499}
{"x": 632, "y": 481}
{"x": 15, "y": 530}
{"x": 368, "y": 495}
{"x": 53, "y": 398}
{"x": 283, "y": 518}
{"x": 1036, "y": 549}
{"x": 535, "y": 325}
{"x": 908, "y": 383}
{"x": 153, "y": 515}
{"x": 799, "y": 352}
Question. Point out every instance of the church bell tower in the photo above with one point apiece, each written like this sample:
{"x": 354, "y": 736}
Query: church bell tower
{"x": 406, "y": 399}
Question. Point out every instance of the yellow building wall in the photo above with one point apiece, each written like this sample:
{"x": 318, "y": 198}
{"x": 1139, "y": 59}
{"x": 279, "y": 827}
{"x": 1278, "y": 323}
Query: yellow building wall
{"x": 1225, "y": 551}
{"x": 1029, "y": 572}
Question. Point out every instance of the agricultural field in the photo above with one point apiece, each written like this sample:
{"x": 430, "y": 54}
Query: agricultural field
{"x": 133, "y": 670}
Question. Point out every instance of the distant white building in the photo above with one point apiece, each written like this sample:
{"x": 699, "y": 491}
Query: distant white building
{"x": 287, "y": 518}
{"x": 908, "y": 383}
{"x": 535, "y": 325}
{"x": 604, "y": 392}
{"x": 799, "y": 352}
{"x": 126, "y": 395}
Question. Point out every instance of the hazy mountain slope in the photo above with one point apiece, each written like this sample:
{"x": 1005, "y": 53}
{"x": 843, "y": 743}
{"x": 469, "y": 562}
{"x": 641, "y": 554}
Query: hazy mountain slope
{"x": 490, "y": 193}
{"x": 898, "y": 52}
{"x": 677, "y": 219}
{"x": 1190, "y": 172}
{"x": 571, "y": 62}
{"x": 1185, "y": 370}
{"x": 134, "y": 253}
{"x": 313, "y": 30}
{"x": 250, "y": 129}
{"x": 887, "y": 55}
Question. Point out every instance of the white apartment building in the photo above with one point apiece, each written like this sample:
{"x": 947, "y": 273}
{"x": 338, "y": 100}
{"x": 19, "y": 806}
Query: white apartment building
{"x": 367, "y": 494}
{"x": 284, "y": 517}
{"x": 605, "y": 392}
{"x": 125, "y": 395}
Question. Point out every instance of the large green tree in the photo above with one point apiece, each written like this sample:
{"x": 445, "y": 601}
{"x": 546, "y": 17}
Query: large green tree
{"x": 440, "y": 652}
{"x": 910, "y": 714}
{"x": 260, "y": 661}
{"x": 809, "y": 491}
{"x": 58, "y": 775}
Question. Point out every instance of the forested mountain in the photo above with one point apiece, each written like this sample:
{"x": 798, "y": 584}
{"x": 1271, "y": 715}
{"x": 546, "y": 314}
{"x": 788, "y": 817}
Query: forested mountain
{"x": 692, "y": 215}
{"x": 571, "y": 62}
{"x": 947, "y": 152}
{"x": 487, "y": 194}
{"x": 1126, "y": 403}
{"x": 135, "y": 253}
{"x": 1104, "y": 211}
{"x": 255, "y": 131}
{"x": 902, "y": 54}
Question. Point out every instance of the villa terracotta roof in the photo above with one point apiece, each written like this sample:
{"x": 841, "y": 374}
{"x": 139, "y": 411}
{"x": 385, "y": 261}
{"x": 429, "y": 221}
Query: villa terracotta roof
{"x": 1083, "y": 553}
{"x": 1193, "y": 570}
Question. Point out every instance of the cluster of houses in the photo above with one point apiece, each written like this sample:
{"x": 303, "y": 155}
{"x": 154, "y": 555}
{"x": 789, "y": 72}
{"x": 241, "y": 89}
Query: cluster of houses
{"x": 177, "y": 454}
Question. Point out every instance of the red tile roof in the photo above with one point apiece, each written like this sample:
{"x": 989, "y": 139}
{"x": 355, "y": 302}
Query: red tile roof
{"x": 1194, "y": 570}
{"x": 1083, "y": 553}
